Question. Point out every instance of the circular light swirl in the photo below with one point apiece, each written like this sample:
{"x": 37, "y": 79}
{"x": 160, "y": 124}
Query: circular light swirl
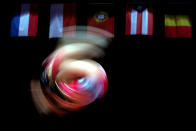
{"x": 71, "y": 79}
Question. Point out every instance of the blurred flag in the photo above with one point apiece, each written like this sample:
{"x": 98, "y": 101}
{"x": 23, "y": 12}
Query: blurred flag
{"x": 61, "y": 15}
{"x": 101, "y": 16}
{"x": 25, "y": 23}
{"x": 170, "y": 26}
{"x": 178, "y": 26}
{"x": 139, "y": 21}
{"x": 183, "y": 26}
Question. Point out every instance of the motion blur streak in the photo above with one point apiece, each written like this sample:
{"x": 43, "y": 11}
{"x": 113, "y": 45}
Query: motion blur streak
{"x": 70, "y": 78}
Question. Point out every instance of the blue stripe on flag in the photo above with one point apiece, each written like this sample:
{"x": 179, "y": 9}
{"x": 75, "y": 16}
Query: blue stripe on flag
{"x": 15, "y": 25}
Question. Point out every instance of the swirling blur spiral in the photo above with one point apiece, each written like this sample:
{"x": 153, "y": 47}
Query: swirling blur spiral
{"x": 71, "y": 79}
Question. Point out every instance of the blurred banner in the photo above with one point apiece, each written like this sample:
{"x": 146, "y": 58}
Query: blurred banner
{"x": 25, "y": 23}
{"x": 139, "y": 20}
{"x": 178, "y": 26}
{"x": 101, "y": 16}
{"x": 61, "y": 15}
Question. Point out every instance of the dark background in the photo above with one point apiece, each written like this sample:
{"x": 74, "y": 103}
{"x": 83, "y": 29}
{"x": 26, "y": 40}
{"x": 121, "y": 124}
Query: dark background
{"x": 150, "y": 77}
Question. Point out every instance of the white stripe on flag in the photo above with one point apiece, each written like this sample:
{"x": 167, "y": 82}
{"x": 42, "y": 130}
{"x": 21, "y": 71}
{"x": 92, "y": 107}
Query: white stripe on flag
{"x": 24, "y": 20}
{"x": 145, "y": 22}
{"x": 133, "y": 22}
{"x": 56, "y": 20}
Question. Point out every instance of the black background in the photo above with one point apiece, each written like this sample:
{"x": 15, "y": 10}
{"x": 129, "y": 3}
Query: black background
{"x": 150, "y": 77}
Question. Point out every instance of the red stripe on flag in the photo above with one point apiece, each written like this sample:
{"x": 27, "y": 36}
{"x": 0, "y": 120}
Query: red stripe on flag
{"x": 69, "y": 15}
{"x": 170, "y": 31}
{"x": 139, "y": 23}
{"x": 128, "y": 21}
{"x": 184, "y": 31}
{"x": 33, "y": 20}
{"x": 150, "y": 21}
{"x": 110, "y": 23}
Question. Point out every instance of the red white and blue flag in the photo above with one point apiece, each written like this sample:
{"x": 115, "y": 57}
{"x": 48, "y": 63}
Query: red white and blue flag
{"x": 25, "y": 23}
{"x": 61, "y": 15}
{"x": 139, "y": 22}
